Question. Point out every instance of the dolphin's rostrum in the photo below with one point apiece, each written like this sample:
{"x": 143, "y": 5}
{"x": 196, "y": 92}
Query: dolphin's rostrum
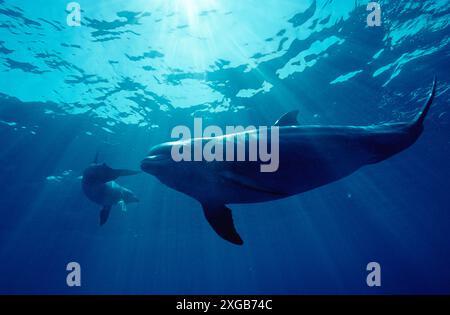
{"x": 99, "y": 186}
{"x": 310, "y": 157}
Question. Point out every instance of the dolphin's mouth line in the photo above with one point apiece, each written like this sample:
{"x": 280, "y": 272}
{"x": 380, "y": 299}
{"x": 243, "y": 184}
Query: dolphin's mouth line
{"x": 155, "y": 160}
{"x": 156, "y": 157}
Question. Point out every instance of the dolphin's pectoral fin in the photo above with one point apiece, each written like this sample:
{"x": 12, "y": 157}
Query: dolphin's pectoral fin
{"x": 288, "y": 119}
{"x": 221, "y": 220}
{"x": 104, "y": 214}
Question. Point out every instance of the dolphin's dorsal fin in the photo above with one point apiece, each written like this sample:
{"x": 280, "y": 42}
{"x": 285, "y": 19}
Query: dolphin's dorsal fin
{"x": 288, "y": 119}
{"x": 96, "y": 158}
{"x": 221, "y": 220}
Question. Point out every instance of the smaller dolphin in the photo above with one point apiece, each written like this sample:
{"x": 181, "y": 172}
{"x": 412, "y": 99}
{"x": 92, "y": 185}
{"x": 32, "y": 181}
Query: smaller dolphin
{"x": 99, "y": 186}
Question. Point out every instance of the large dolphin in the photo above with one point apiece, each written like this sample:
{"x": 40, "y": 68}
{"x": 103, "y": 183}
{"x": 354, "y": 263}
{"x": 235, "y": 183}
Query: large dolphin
{"x": 99, "y": 186}
{"x": 309, "y": 157}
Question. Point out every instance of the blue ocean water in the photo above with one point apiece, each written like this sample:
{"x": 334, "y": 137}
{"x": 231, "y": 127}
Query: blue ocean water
{"x": 118, "y": 83}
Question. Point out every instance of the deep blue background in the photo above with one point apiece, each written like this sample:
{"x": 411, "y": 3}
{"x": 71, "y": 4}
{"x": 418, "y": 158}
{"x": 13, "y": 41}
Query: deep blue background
{"x": 396, "y": 213}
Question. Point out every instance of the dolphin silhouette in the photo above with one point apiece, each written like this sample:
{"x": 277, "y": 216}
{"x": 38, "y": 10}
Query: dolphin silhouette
{"x": 99, "y": 186}
{"x": 309, "y": 157}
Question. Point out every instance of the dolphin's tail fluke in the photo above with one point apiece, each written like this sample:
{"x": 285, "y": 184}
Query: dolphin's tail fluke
{"x": 420, "y": 117}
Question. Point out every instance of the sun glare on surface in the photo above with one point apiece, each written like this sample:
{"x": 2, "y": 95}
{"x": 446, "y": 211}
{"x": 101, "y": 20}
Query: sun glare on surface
{"x": 193, "y": 8}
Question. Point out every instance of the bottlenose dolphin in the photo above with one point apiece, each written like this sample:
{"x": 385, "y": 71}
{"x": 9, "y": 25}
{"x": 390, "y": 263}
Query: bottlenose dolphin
{"x": 99, "y": 186}
{"x": 309, "y": 157}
